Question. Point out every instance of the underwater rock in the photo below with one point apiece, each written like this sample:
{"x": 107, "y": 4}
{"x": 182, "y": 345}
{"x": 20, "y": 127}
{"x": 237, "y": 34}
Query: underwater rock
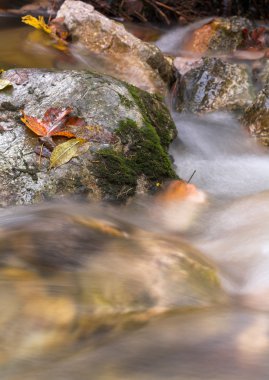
{"x": 128, "y": 131}
{"x": 72, "y": 271}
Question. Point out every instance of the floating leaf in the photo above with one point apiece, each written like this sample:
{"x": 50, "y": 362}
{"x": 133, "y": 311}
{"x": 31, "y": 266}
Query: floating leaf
{"x": 38, "y": 23}
{"x": 52, "y": 123}
{"x": 67, "y": 150}
{"x": 4, "y": 83}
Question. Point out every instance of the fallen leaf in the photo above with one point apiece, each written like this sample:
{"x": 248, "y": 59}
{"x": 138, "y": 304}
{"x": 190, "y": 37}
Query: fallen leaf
{"x": 4, "y": 83}
{"x": 76, "y": 122}
{"x": 57, "y": 35}
{"x": 66, "y": 151}
{"x": 38, "y": 23}
{"x": 52, "y": 124}
{"x": 255, "y": 38}
{"x": 179, "y": 190}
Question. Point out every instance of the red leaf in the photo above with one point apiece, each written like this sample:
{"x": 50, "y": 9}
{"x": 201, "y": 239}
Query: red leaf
{"x": 52, "y": 123}
{"x": 75, "y": 122}
{"x": 34, "y": 124}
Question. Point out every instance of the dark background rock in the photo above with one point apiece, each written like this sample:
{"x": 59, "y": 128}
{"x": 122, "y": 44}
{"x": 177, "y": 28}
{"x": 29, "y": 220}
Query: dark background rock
{"x": 129, "y": 133}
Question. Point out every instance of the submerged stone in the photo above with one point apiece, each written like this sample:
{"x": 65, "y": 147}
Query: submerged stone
{"x": 75, "y": 271}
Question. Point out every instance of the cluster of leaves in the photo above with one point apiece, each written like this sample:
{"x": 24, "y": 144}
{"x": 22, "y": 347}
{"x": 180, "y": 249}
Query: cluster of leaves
{"x": 55, "y": 123}
{"x": 256, "y": 39}
{"x": 55, "y": 29}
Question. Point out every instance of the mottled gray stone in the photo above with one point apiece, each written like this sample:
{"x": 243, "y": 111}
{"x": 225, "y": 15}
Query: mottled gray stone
{"x": 256, "y": 116}
{"x": 228, "y": 34}
{"x": 214, "y": 85}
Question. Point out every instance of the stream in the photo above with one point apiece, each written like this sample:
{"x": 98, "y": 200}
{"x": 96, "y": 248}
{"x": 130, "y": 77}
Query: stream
{"x": 215, "y": 343}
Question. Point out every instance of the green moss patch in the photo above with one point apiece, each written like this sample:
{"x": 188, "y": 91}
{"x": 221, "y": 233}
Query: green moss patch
{"x": 155, "y": 113}
{"x": 141, "y": 154}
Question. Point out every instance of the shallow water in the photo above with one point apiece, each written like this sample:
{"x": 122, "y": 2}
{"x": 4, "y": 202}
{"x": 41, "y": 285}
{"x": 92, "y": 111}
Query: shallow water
{"x": 232, "y": 230}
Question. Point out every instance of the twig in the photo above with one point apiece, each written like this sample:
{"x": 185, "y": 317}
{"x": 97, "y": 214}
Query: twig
{"x": 191, "y": 176}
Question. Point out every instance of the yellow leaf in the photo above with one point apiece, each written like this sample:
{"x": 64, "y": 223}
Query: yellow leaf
{"x": 60, "y": 44}
{"x": 4, "y": 83}
{"x": 38, "y": 23}
{"x": 67, "y": 150}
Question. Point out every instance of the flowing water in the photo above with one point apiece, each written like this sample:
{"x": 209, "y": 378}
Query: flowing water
{"x": 218, "y": 343}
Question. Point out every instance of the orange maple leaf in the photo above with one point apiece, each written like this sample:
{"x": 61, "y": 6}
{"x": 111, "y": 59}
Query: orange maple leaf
{"x": 52, "y": 124}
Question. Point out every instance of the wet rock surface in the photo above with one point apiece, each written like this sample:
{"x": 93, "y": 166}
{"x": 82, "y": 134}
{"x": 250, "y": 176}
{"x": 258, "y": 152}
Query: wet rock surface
{"x": 128, "y": 130}
{"x": 214, "y": 85}
{"x": 256, "y": 116}
{"x": 71, "y": 271}
{"x": 125, "y": 56}
{"x": 219, "y": 35}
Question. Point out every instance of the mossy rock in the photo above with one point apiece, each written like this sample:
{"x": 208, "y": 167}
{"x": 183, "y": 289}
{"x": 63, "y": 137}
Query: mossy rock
{"x": 113, "y": 111}
{"x": 142, "y": 154}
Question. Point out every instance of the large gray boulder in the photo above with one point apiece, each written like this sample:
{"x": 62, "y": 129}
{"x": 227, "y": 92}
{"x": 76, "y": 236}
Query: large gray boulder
{"x": 124, "y": 56}
{"x": 214, "y": 85}
{"x": 128, "y": 131}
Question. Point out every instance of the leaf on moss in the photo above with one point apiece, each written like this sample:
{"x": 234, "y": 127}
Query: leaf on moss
{"x": 67, "y": 150}
{"x": 4, "y": 83}
{"x": 38, "y": 23}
